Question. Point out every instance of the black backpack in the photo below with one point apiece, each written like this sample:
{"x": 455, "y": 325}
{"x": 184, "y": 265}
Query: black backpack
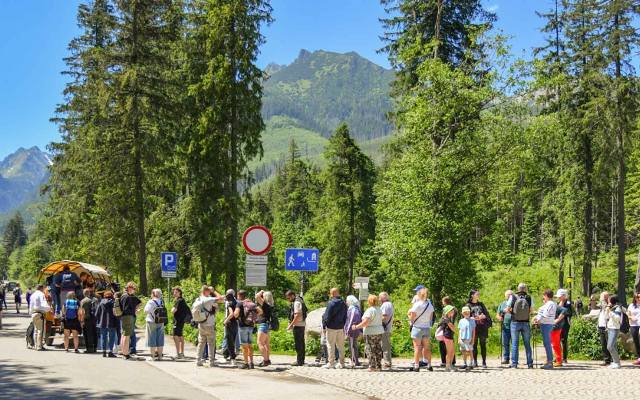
{"x": 160, "y": 314}
{"x": 624, "y": 321}
{"x": 31, "y": 343}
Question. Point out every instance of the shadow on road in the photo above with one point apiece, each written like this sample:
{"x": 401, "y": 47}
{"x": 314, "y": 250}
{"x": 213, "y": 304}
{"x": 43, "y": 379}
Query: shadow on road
{"x": 20, "y": 381}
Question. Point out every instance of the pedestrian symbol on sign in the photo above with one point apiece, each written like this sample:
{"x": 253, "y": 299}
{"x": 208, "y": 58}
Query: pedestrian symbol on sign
{"x": 301, "y": 259}
{"x": 291, "y": 261}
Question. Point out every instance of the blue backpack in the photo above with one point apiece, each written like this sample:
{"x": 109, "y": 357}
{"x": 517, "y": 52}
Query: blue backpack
{"x": 71, "y": 309}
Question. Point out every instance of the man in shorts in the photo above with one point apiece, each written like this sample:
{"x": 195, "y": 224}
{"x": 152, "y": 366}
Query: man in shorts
{"x": 130, "y": 304}
{"x": 245, "y": 327}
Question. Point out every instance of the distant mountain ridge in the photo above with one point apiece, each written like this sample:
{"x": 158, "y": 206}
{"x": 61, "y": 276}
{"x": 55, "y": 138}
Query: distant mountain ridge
{"x": 22, "y": 173}
{"x": 321, "y": 89}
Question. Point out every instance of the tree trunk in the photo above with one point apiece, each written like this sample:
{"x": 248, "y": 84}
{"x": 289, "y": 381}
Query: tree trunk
{"x": 621, "y": 177}
{"x": 352, "y": 234}
{"x": 588, "y": 217}
{"x": 138, "y": 170}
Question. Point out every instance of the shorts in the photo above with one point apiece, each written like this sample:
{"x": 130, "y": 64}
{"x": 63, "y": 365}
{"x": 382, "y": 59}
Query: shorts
{"x": 420, "y": 333}
{"x": 72, "y": 325}
{"x": 178, "y": 328}
{"x": 155, "y": 334}
{"x": 465, "y": 346}
{"x": 263, "y": 328}
{"x": 245, "y": 333}
{"x": 128, "y": 324}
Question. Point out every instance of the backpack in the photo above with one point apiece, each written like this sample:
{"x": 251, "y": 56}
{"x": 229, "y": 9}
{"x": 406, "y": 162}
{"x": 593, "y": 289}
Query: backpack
{"x": 117, "y": 308}
{"x": 31, "y": 343}
{"x": 304, "y": 309}
{"x": 250, "y": 313}
{"x": 521, "y": 309}
{"x": 624, "y": 321}
{"x": 274, "y": 323}
{"x": 160, "y": 314}
{"x": 71, "y": 313}
{"x": 199, "y": 313}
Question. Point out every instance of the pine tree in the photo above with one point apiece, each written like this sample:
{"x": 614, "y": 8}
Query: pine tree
{"x": 226, "y": 91}
{"x": 345, "y": 222}
{"x": 14, "y": 234}
{"x": 417, "y": 30}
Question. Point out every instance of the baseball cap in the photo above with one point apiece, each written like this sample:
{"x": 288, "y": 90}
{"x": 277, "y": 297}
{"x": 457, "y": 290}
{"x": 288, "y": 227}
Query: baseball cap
{"x": 419, "y": 287}
{"x": 562, "y": 292}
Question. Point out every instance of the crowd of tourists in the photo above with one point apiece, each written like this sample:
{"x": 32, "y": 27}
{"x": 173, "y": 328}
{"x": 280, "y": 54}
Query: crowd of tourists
{"x": 108, "y": 323}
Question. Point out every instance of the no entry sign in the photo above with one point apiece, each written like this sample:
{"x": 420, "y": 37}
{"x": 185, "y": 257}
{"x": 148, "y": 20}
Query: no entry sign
{"x": 257, "y": 240}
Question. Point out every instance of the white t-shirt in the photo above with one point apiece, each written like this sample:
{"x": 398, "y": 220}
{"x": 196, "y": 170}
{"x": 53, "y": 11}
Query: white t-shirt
{"x": 423, "y": 319}
{"x": 38, "y": 303}
{"x": 387, "y": 309}
{"x": 150, "y": 307}
{"x": 634, "y": 315}
{"x": 375, "y": 321}
{"x": 297, "y": 309}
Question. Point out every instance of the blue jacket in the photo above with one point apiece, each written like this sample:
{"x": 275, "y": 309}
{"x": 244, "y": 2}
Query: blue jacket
{"x": 336, "y": 314}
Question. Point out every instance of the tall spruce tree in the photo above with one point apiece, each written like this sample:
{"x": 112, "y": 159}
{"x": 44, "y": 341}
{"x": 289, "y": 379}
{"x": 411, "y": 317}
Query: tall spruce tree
{"x": 345, "y": 219}
{"x": 14, "y": 235}
{"x": 226, "y": 91}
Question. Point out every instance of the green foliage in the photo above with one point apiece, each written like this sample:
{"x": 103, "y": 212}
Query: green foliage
{"x": 14, "y": 235}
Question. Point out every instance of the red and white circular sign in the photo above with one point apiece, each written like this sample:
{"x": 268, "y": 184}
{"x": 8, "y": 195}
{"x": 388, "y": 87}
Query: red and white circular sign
{"x": 257, "y": 240}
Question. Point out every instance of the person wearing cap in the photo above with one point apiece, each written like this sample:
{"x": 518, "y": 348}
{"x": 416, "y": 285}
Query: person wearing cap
{"x": 466, "y": 336}
{"x": 519, "y": 306}
{"x": 420, "y": 317}
{"x": 545, "y": 319}
{"x": 446, "y": 301}
{"x": 448, "y": 330}
{"x": 564, "y": 301}
{"x": 558, "y": 326}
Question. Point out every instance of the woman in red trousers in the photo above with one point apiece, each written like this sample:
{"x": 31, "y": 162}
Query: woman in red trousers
{"x": 556, "y": 333}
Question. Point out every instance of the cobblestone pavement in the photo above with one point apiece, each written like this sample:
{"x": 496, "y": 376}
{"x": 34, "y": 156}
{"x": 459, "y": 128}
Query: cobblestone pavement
{"x": 577, "y": 380}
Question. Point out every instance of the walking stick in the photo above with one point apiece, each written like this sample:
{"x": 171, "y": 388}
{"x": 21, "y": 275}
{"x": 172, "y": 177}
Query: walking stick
{"x": 535, "y": 348}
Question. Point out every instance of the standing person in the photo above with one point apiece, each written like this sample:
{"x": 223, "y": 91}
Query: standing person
{"x": 564, "y": 301}
{"x": 27, "y": 296}
{"x": 354, "y": 317}
{"x": 634, "y": 323}
{"x": 88, "y": 321}
{"x": 71, "y": 322}
{"x": 334, "y": 318}
{"x": 480, "y": 314}
{"x": 519, "y": 307}
{"x": 246, "y": 313}
{"x": 373, "y": 330}
{"x": 614, "y": 319}
{"x": 17, "y": 297}
{"x": 556, "y": 332}
{"x": 38, "y": 307}
{"x": 107, "y": 323}
{"x": 265, "y": 303}
{"x": 65, "y": 282}
{"x": 442, "y": 347}
{"x": 602, "y": 328}
{"x": 155, "y": 318}
{"x": 466, "y": 336}
{"x": 579, "y": 306}
{"x": 181, "y": 314}
{"x": 3, "y": 295}
{"x": 297, "y": 323}
{"x": 387, "y": 323}
{"x": 545, "y": 319}
{"x": 230, "y": 327}
{"x": 204, "y": 313}
{"x": 448, "y": 330}
{"x": 420, "y": 317}
{"x": 504, "y": 316}
{"x": 130, "y": 305}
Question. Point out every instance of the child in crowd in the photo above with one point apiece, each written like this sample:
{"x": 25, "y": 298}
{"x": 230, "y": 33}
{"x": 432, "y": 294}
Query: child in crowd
{"x": 466, "y": 336}
{"x": 447, "y": 329}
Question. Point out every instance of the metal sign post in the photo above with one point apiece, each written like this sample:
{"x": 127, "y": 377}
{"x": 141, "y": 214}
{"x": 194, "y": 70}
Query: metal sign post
{"x": 169, "y": 266}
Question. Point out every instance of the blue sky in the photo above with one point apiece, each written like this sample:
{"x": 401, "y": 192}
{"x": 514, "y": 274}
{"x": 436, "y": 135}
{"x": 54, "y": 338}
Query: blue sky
{"x": 36, "y": 34}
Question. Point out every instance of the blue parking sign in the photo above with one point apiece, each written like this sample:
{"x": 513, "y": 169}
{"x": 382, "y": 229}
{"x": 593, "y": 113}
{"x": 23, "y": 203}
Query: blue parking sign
{"x": 169, "y": 264}
{"x": 301, "y": 259}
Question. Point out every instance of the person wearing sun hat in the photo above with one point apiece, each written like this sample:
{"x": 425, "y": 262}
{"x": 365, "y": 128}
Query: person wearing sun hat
{"x": 466, "y": 336}
{"x": 447, "y": 329}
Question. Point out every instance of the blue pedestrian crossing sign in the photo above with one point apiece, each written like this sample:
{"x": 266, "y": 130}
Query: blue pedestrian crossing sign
{"x": 169, "y": 264}
{"x": 301, "y": 259}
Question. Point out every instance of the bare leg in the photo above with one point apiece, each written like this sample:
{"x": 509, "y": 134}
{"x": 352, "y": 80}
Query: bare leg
{"x": 76, "y": 340}
{"x": 66, "y": 339}
{"x": 426, "y": 350}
